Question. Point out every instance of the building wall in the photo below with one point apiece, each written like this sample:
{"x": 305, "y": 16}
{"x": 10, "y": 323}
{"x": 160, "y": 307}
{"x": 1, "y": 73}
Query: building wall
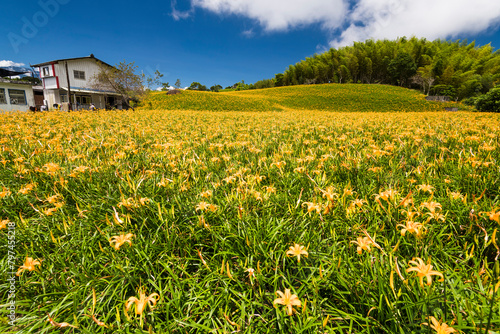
{"x": 55, "y": 82}
{"x": 88, "y": 66}
{"x": 28, "y": 91}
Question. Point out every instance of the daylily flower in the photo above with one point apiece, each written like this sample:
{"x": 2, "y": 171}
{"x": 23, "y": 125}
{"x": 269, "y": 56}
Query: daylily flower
{"x": 288, "y": 300}
{"x": 5, "y": 192}
{"x": 440, "y": 328}
{"x": 426, "y": 188}
{"x": 139, "y": 304}
{"x": 423, "y": 270}
{"x": 59, "y": 325}
{"x": 431, "y": 206}
{"x": 51, "y": 168}
{"x": 3, "y": 223}
{"x": 413, "y": 227}
{"x": 29, "y": 265}
{"x": 121, "y": 239}
{"x": 251, "y": 272}
{"x": 387, "y": 195}
{"x": 297, "y": 250}
{"x": 202, "y": 206}
{"x": 494, "y": 215}
{"x": 363, "y": 244}
{"x": 312, "y": 207}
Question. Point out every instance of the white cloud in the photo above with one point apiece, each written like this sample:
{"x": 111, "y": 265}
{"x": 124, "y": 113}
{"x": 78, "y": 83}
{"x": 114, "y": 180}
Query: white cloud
{"x": 276, "y": 15}
{"x": 377, "y": 19}
{"x": 9, "y": 63}
{"x": 432, "y": 19}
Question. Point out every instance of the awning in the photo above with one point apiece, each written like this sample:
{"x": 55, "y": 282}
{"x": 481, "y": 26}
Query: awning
{"x": 7, "y": 73}
{"x": 90, "y": 91}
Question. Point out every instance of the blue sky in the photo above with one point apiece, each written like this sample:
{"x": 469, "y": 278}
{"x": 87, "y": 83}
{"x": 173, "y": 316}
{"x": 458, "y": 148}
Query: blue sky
{"x": 226, "y": 41}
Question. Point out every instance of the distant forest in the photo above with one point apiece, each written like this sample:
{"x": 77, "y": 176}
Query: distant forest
{"x": 457, "y": 69}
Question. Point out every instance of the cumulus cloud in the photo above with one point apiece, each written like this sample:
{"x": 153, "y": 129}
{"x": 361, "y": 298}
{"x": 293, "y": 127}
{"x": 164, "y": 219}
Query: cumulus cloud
{"x": 432, "y": 19}
{"x": 358, "y": 20}
{"x": 279, "y": 15}
{"x": 10, "y": 63}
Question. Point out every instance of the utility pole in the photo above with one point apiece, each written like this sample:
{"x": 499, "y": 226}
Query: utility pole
{"x": 69, "y": 89}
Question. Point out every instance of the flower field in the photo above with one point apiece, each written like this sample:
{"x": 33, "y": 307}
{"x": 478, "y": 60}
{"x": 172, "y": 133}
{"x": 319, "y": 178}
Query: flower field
{"x": 327, "y": 97}
{"x": 250, "y": 222}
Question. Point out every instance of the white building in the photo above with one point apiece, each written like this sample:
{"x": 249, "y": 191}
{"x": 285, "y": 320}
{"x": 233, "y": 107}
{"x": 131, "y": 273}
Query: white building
{"x": 80, "y": 72}
{"x": 15, "y": 95}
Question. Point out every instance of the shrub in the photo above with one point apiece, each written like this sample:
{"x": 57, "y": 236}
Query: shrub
{"x": 490, "y": 101}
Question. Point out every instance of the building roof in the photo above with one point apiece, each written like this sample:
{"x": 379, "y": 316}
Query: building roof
{"x": 58, "y": 60}
{"x": 8, "y": 73}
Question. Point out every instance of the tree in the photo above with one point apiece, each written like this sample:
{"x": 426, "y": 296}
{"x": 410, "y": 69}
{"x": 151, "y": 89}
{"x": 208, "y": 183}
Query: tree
{"x": 197, "y": 86}
{"x": 122, "y": 79}
{"x": 153, "y": 80}
{"x": 178, "y": 83}
{"x": 278, "y": 80}
{"x": 216, "y": 88}
{"x": 424, "y": 78}
{"x": 165, "y": 86}
{"x": 402, "y": 68}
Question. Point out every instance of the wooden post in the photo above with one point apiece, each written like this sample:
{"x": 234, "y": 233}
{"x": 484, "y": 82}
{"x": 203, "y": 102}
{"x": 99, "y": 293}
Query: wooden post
{"x": 69, "y": 89}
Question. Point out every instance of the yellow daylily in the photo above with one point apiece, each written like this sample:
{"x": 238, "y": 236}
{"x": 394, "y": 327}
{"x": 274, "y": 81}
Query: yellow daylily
{"x": 288, "y": 300}
{"x": 3, "y": 223}
{"x": 426, "y": 188}
{"x": 363, "y": 244}
{"x": 297, "y": 250}
{"x": 413, "y": 227}
{"x": 494, "y": 215}
{"x": 139, "y": 304}
{"x": 121, "y": 239}
{"x": 423, "y": 270}
{"x": 29, "y": 265}
{"x": 440, "y": 327}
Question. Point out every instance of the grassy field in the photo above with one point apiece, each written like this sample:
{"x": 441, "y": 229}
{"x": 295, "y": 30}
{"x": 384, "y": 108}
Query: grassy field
{"x": 242, "y": 222}
{"x": 328, "y": 97}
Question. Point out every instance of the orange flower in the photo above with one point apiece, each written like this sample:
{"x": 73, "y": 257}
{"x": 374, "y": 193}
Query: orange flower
{"x": 426, "y": 188}
{"x": 423, "y": 270}
{"x": 139, "y": 304}
{"x": 297, "y": 250}
{"x": 413, "y": 227}
{"x": 440, "y": 328}
{"x": 288, "y": 300}
{"x": 363, "y": 244}
{"x": 121, "y": 239}
{"x": 29, "y": 265}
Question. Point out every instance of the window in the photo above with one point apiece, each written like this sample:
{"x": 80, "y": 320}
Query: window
{"x": 17, "y": 97}
{"x": 46, "y": 71}
{"x": 64, "y": 98}
{"x": 83, "y": 99}
{"x": 79, "y": 75}
{"x": 3, "y": 100}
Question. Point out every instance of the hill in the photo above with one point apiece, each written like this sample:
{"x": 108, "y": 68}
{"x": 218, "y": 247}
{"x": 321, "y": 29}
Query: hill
{"x": 326, "y": 97}
{"x": 457, "y": 69}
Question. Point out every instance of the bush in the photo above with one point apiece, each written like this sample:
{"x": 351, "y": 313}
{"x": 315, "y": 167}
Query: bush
{"x": 490, "y": 101}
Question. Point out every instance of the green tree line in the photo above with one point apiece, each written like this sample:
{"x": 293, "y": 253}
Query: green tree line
{"x": 457, "y": 69}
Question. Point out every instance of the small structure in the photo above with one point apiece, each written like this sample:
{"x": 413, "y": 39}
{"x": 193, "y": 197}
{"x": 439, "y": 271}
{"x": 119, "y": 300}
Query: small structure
{"x": 438, "y": 98}
{"x": 75, "y": 75}
{"x": 15, "y": 95}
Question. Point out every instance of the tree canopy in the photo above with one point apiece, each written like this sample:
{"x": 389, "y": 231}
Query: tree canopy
{"x": 458, "y": 69}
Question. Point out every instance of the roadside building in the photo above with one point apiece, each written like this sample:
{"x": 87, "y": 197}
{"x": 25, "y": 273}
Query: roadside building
{"x": 80, "y": 73}
{"x": 15, "y": 95}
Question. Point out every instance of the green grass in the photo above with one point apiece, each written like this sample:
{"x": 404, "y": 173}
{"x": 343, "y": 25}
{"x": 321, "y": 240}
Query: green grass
{"x": 147, "y": 173}
{"x": 327, "y": 97}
